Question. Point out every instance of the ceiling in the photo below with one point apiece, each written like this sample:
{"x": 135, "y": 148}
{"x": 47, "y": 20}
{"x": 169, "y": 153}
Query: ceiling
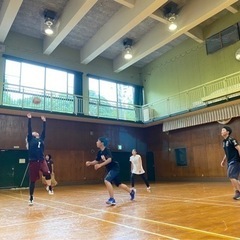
{"x": 99, "y": 27}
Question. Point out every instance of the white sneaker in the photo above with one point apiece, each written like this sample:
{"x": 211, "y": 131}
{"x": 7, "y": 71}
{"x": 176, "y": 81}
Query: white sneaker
{"x": 50, "y": 192}
{"x": 30, "y": 202}
{"x": 149, "y": 189}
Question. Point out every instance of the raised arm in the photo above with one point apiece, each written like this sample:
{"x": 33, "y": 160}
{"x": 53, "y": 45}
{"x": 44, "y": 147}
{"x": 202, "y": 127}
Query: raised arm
{"x": 29, "y": 136}
{"x": 44, "y": 128}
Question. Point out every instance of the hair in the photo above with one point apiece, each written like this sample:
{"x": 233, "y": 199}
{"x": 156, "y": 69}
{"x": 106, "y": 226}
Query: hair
{"x": 103, "y": 140}
{"x": 50, "y": 157}
{"x": 229, "y": 130}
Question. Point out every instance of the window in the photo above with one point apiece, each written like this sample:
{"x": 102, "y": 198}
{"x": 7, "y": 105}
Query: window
{"x": 23, "y": 81}
{"x": 111, "y": 100}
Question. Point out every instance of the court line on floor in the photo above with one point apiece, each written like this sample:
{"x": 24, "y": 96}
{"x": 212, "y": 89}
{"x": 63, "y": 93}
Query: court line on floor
{"x": 131, "y": 217}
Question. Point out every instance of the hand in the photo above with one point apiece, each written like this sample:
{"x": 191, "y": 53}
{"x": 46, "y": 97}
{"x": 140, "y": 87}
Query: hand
{"x": 29, "y": 115}
{"x": 222, "y": 163}
{"x": 43, "y": 118}
{"x": 103, "y": 158}
{"x": 88, "y": 163}
{"x": 97, "y": 166}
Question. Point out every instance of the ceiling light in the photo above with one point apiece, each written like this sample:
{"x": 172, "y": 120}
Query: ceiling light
{"x": 49, "y": 20}
{"x": 170, "y": 11}
{"x": 172, "y": 26}
{"x": 237, "y": 54}
{"x": 127, "y": 43}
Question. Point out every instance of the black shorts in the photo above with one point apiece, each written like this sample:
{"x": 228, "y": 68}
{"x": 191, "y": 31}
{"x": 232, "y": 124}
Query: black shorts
{"x": 233, "y": 170}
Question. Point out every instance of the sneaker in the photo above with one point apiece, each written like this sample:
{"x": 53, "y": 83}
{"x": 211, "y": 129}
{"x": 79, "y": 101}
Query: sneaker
{"x": 237, "y": 195}
{"x": 50, "y": 192}
{"x": 111, "y": 201}
{"x": 132, "y": 194}
{"x": 30, "y": 202}
{"x": 148, "y": 189}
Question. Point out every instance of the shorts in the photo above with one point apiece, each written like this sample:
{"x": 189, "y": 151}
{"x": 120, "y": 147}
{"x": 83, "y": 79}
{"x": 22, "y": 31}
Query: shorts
{"x": 233, "y": 170}
{"x": 35, "y": 167}
{"x": 113, "y": 177}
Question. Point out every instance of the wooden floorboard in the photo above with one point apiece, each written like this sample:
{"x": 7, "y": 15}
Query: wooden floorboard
{"x": 186, "y": 210}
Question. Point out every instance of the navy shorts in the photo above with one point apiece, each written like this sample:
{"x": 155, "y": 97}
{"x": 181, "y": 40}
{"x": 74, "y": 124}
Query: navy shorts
{"x": 113, "y": 177}
{"x": 233, "y": 170}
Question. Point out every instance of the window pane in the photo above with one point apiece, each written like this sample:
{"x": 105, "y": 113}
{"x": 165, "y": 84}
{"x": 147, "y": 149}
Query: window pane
{"x": 32, "y": 76}
{"x": 12, "y": 72}
{"x": 70, "y": 83}
{"x": 108, "y": 91}
{"x": 125, "y": 94}
{"x": 56, "y": 80}
{"x": 93, "y": 88}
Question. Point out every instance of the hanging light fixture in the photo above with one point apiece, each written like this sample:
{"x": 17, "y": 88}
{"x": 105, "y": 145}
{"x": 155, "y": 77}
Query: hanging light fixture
{"x": 127, "y": 43}
{"x": 170, "y": 11}
{"x": 49, "y": 20}
{"x": 172, "y": 23}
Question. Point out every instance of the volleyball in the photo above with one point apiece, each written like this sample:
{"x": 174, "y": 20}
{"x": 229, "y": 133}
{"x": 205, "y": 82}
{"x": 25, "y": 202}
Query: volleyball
{"x": 36, "y": 100}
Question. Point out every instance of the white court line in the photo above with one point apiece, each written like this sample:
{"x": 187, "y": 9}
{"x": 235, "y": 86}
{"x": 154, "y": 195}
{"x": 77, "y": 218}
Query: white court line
{"x": 131, "y": 217}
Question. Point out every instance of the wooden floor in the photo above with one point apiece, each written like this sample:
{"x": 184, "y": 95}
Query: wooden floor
{"x": 170, "y": 211}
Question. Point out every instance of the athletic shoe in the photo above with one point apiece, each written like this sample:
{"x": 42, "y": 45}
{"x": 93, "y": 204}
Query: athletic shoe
{"x": 30, "y": 202}
{"x": 111, "y": 201}
{"x": 50, "y": 192}
{"x": 132, "y": 194}
{"x": 237, "y": 195}
{"x": 148, "y": 189}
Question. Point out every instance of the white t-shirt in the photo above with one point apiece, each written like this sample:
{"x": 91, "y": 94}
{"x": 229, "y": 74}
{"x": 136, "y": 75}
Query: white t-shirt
{"x": 137, "y": 167}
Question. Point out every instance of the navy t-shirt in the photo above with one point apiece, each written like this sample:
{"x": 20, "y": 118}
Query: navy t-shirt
{"x": 35, "y": 145}
{"x": 231, "y": 152}
{"x": 113, "y": 165}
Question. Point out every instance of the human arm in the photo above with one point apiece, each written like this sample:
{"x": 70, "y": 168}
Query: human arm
{"x": 140, "y": 164}
{"x": 44, "y": 127}
{"x": 29, "y": 136}
{"x": 238, "y": 149}
{"x": 104, "y": 162}
{"x": 90, "y": 163}
{"x": 224, "y": 161}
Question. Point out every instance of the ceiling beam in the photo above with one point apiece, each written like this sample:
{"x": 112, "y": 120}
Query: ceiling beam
{"x": 126, "y": 3}
{"x": 117, "y": 26}
{"x": 232, "y": 9}
{"x": 193, "y": 13}
{"x": 8, "y": 12}
{"x": 72, "y": 14}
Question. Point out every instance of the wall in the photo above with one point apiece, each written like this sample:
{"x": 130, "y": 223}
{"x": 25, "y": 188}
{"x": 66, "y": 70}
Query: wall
{"x": 188, "y": 65}
{"x": 71, "y": 143}
{"x": 203, "y": 145}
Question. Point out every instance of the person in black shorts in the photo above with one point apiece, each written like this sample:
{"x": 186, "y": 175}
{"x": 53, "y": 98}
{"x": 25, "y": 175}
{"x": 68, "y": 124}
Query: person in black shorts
{"x": 35, "y": 145}
{"x": 232, "y": 157}
{"x": 104, "y": 158}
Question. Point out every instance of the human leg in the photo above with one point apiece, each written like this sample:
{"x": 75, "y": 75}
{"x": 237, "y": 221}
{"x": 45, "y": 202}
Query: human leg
{"x": 145, "y": 181}
{"x": 46, "y": 173}
{"x": 233, "y": 174}
{"x": 34, "y": 176}
{"x": 132, "y": 180}
{"x": 123, "y": 186}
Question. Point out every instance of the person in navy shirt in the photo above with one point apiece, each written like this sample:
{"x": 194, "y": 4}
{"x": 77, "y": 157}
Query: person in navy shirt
{"x": 232, "y": 157}
{"x": 37, "y": 162}
{"x": 104, "y": 158}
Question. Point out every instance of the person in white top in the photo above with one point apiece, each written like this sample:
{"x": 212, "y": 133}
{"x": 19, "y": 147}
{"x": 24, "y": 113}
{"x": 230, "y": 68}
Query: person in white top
{"x": 137, "y": 169}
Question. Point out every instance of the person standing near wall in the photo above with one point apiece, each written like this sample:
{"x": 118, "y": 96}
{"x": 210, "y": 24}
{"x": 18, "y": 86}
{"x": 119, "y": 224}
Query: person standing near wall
{"x": 104, "y": 158}
{"x": 35, "y": 145}
{"x": 137, "y": 169}
{"x": 232, "y": 157}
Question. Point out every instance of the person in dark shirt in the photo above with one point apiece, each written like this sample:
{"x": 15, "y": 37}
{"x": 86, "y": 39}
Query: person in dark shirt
{"x": 104, "y": 158}
{"x": 232, "y": 157}
{"x": 35, "y": 145}
{"x": 49, "y": 160}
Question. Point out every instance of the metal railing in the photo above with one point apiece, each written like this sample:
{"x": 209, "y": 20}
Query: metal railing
{"x": 216, "y": 91}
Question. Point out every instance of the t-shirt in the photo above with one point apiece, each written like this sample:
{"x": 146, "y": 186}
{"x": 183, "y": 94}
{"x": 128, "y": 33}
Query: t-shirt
{"x": 231, "y": 152}
{"x": 137, "y": 164}
{"x": 113, "y": 165}
{"x": 35, "y": 145}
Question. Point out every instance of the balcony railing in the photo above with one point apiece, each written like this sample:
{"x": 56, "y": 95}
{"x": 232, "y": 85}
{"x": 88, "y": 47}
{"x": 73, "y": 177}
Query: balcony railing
{"x": 214, "y": 92}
